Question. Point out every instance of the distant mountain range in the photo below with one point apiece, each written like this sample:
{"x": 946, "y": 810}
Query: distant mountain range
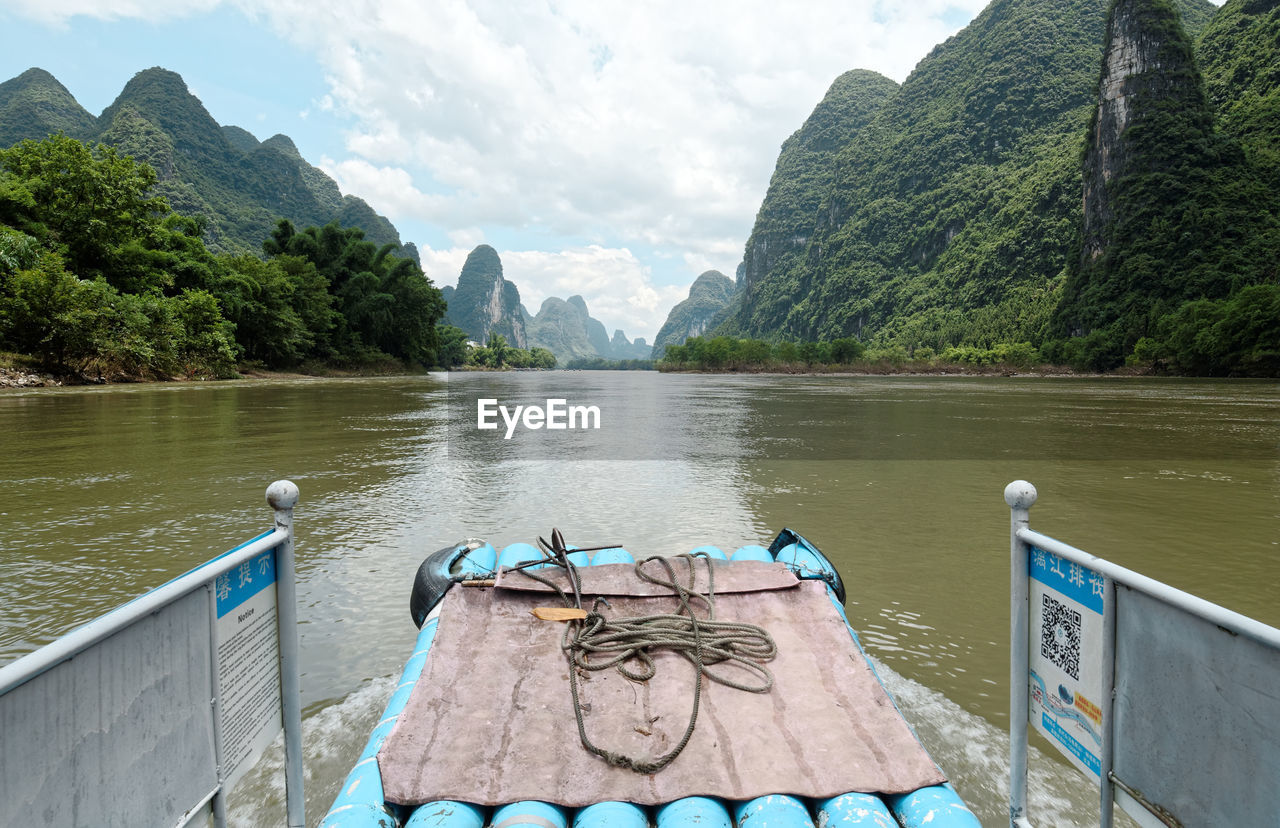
{"x": 240, "y": 186}
{"x": 484, "y": 303}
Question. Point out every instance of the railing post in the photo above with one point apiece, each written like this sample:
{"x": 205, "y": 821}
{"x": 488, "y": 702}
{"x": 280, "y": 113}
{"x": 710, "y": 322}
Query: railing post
{"x": 282, "y": 496}
{"x": 1020, "y": 495}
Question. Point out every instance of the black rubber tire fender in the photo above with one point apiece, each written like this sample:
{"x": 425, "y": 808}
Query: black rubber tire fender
{"x": 432, "y": 582}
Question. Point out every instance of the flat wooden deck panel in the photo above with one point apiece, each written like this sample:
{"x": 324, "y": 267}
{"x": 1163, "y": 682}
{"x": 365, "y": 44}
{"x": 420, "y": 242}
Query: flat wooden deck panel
{"x": 491, "y": 719}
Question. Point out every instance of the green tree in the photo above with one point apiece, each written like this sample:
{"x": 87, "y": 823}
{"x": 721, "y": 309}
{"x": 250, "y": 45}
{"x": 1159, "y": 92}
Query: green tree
{"x": 453, "y": 346}
{"x": 91, "y": 205}
{"x": 542, "y": 358}
{"x": 384, "y": 302}
{"x": 499, "y": 349}
{"x": 265, "y": 301}
{"x": 480, "y": 355}
{"x": 519, "y": 358}
{"x": 846, "y": 350}
{"x": 86, "y": 325}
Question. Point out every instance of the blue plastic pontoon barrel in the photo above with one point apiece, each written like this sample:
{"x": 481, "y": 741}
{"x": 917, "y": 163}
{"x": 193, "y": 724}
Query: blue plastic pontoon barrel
{"x": 612, "y": 556}
{"x": 359, "y": 815}
{"x": 694, "y": 812}
{"x": 937, "y": 806}
{"x": 530, "y": 814}
{"x": 446, "y": 814}
{"x": 713, "y": 552}
{"x": 751, "y": 553}
{"x": 360, "y": 802}
{"x": 772, "y": 811}
{"x": 480, "y": 562}
{"x": 855, "y": 809}
{"x": 515, "y": 554}
{"x": 611, "y": 815}
{"x": 802, "y": 559}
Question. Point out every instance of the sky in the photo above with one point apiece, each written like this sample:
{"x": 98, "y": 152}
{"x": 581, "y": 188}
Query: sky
{"x": 614, "y": 149}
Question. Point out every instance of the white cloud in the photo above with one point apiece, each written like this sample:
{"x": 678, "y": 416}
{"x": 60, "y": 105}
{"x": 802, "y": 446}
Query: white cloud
{"x": 467, "y": 238}
{"x": 443, "y": 266}
{"x": 653, "y": 122}
{"x": 389, "y": 189}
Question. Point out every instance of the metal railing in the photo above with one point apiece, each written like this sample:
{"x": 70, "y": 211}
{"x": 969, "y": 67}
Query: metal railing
{"x": 1170, "y": 702}
{"x": 149, "y": 714}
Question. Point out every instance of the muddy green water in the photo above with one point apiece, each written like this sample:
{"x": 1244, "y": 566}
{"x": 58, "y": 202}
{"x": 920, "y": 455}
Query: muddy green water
{"x": 106, "y": 492}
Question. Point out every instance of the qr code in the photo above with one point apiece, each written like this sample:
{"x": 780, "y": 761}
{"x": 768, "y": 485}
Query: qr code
{"x": 1060, "y": 636}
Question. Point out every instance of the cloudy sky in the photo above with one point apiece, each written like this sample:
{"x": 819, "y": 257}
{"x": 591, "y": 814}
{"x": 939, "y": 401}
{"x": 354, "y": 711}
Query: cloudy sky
{"x": 611, "y": 149}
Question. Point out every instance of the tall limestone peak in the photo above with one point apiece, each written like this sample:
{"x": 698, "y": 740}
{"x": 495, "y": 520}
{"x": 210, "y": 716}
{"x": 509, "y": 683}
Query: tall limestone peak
{"x": 597, "y": 336}
{"x": 578, "y": 302}
{"x": 240, "y": 138}
{"x": 1162, "y": 189}
{"x": 709, "y": 298}
{"x": 163, "y": 99}
{"x": 803, "y": 176}
{"x": 240, "y": 186}
{"x": 484, "y": 303}
{"x": 566, "y": 328}
{"x": 35, "y": 105}
{"x": 1151, "y": 108}
{"x": 561, "y": 327}
{"x": 953, "y": 212}
{"x": 621, "y": 348}
{"x": 284, "y": 144}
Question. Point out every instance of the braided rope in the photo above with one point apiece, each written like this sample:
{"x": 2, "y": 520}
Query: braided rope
{"x": 621, "y": 642}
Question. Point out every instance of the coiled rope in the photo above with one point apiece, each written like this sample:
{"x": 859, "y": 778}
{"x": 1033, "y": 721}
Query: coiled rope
{"x": 622, "y": 642}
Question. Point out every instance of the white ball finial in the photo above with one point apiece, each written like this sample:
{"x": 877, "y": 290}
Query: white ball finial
{"x": 282, "y": 494}
{"x": 1020, "y": 494}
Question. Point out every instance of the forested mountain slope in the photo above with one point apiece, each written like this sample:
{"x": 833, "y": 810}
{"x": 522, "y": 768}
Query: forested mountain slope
{"x": 1177, "y": 206}
{"x": 954, "y": 213}
{"x": 238, "y": 186}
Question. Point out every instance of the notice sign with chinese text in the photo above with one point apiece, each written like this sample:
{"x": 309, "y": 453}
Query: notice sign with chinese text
{"x": 248, "y": 663}
{"x": 1065, "y": 657}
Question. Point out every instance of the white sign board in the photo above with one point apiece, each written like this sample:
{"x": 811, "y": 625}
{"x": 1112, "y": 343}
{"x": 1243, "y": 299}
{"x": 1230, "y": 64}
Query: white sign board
{"x": 248, "y": 663}
{"x": 1065, "y": 659}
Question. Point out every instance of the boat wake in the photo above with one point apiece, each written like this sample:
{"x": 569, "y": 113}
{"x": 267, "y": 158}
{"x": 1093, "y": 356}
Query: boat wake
{"x": 975, "y": 755}
{"x": 332, "y": 738}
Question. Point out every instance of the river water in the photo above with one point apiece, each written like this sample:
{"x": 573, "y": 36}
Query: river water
{"x": 106, "y": 492}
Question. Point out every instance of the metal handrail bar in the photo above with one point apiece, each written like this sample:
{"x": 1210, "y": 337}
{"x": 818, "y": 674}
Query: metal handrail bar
{"x": 78, "y": 640}
{"x": 1209, "y": 611}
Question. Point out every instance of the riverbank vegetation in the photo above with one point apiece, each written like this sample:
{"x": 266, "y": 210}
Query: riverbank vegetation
{"x": 602, "y": 364}
{"x": 495, "y": 355}
{"x": 100, "y": 279}
{"x": 846, "y": 355}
